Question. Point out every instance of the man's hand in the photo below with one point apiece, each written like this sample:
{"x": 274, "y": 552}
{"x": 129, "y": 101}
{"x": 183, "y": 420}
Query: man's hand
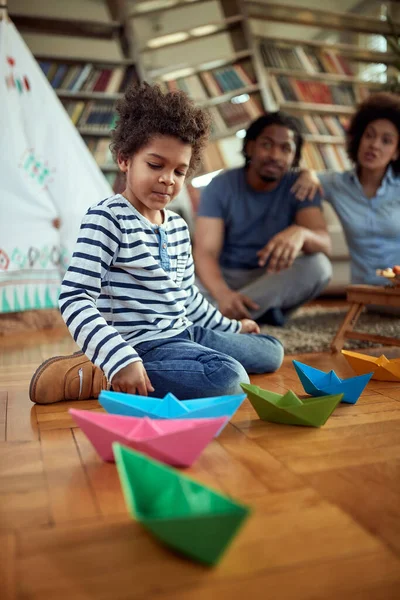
{"x": 132, "y": 379}
{"x": 283, "y": 249}
{"x": 235, "y": 305}
{"x": 306, "y": 186}
{"x": 249, "y": 326}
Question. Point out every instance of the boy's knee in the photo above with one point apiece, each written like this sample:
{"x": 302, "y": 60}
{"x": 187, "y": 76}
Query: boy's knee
{"x": 269, "y": 357}
{"x": 226, "y": 374}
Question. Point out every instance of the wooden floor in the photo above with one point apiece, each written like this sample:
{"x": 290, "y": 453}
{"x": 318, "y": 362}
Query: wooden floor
{"x": 326, "y": 520}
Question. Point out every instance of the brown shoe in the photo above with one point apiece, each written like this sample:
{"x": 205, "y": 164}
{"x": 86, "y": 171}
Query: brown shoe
{"x": 71, "y": 377}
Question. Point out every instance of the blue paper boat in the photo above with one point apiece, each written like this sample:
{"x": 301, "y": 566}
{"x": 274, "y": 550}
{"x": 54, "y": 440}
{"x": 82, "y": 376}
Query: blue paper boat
{"x": 170, "y": 407}
{"x": 319, "y": 383}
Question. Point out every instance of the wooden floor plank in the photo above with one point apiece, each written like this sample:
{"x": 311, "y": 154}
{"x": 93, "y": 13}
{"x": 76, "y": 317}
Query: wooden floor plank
{"x": 235, "y": 480}
{"x": 269, "y": 470}
{"x": 56, "y": 416}
{"x": 370, "y": 493}
{"x": 21, "y": 418}
{"x": 71, "y": 497}
{"x": 24, "y": 500}
{"x": 8, "y": 566}
{"x": 103, "y": 478}
{"x": 3, "y": 415}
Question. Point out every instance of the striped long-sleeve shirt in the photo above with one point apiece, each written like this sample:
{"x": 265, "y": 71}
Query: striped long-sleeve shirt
{"x": 131, "y": 281}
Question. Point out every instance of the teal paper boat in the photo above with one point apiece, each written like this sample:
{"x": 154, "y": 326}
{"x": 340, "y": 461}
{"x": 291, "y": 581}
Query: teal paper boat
{"x": 189, "y": 517}
{"x": 289, "y": 409}
{"x": 319, "y": 383}
{"x": 170, "y": 407}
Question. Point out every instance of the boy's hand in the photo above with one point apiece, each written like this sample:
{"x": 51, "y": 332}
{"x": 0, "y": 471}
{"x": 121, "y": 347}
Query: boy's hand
{"x": 306, "y": 186}
{"x": 249, "y": 326}
{"x": 132, "y": 379}
{"x": 235, "y": 305}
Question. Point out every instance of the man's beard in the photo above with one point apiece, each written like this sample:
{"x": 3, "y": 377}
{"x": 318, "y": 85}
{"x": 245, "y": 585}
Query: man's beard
{"x": 269, "y": 178}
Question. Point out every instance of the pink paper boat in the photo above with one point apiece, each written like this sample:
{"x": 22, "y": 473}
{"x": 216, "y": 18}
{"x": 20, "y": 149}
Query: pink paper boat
{"x": 177, "y": 442}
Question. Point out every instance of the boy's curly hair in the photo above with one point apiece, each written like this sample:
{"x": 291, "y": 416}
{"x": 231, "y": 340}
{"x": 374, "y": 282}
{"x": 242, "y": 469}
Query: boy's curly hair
{"x": 382, "y": 105}
{"x": 145, "y": 112}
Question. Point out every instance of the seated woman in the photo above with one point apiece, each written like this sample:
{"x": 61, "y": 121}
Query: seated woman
{"x": 367, "y": 198}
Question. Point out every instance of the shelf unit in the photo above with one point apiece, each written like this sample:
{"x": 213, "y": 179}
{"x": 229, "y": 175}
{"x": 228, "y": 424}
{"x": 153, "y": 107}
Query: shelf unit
{"x": 314, "y": 77}
{"x": 237, "y": 17}
{"x": 89, "y": 107}
{"x": 347, "y": 50}
{"x": 219, "y": 83}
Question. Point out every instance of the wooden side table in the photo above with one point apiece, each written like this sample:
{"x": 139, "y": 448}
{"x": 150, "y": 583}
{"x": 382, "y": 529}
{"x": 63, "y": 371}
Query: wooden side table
{"x": 358, "y": 296}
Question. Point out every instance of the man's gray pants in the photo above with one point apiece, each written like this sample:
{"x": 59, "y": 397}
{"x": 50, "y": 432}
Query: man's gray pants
{"x": 287, "y": 290}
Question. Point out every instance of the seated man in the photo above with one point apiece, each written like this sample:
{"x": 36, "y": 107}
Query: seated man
{"x": 258, "y": 251}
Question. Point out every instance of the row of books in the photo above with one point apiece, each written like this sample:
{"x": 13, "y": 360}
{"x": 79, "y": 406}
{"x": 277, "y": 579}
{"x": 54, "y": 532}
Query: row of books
{"x": 210, "y": 84}
{"x": 88, "y": 77}
{"x": 100, "y": 148}
{"x": 228, "y": 114}
{"x": 323, "y": 125}
{"x": 321, "y": 157}
{"x": 290, "y": 89}
{"x": 101, "y": 115}
{"x": 303, "y": 58}
{"x": 92, "y": 115}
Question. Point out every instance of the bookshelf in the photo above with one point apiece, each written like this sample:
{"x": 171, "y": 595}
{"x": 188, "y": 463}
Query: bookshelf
{"x": 236, "y": 80}
{"x": 88, "y": 88}
{"x": 315, "y": 80}
{"x": 225, "y": 82}
{"x": 88, "y": 91}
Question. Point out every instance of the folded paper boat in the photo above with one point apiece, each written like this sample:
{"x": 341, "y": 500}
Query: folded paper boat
{"x": 188, "y": 516}
{"x": 176, "y": 442}
{"x": 289, "y": 409}
{"x": 382, "y": 368}
{"x": 319, "y": 383}
{"x": 170, "y": 407}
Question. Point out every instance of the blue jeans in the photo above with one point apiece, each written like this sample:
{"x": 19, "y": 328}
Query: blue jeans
{"x": 200, "y": 362}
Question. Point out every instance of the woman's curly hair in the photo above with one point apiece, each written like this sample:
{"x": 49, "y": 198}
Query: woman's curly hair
{"x": 382, "y": 105}
{"x": 146, "y": 111}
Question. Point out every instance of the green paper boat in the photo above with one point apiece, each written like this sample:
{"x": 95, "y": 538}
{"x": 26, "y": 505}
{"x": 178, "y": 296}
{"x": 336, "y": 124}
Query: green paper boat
{"x": 289, "y": 408}
{"x": 182, "y": 513}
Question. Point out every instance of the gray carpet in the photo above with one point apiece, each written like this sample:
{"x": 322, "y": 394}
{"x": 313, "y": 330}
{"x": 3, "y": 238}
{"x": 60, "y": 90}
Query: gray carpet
{"x": 312, "y": 329}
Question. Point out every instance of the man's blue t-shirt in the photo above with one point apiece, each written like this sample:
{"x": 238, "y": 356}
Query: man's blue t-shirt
{"x": 251, "y": 218}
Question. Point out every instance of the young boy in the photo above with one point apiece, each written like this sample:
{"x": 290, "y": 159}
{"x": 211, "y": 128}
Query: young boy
{"x": 128, "y": 297}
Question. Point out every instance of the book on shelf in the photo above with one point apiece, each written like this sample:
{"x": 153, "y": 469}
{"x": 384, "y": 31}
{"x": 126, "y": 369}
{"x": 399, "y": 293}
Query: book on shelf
{"x": 212, "y": 159}
{"x": 305, "y": 58}
{"x": 92, "y": 115}
{"x": 291, "y": 89}
{"x": 100, "y": 149}
{"x": 322, "y": 157}
{"x": 330, "y": 125}
{"x": 213, "y": 83}
{"x": 229, "y": 115}
{"x": 88, "y": 77}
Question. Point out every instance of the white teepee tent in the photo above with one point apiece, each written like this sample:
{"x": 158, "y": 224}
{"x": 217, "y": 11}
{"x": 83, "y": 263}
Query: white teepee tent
{"x": 46, "y": 173}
